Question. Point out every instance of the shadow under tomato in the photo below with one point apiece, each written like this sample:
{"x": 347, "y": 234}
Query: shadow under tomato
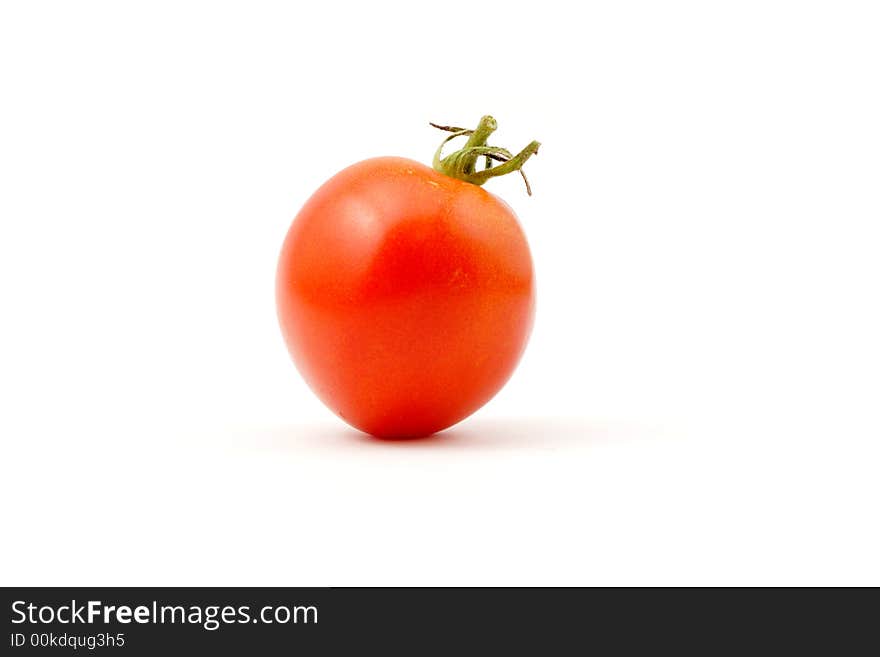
{"x": 521, "y": 433}
{"x": 469, "y": 435}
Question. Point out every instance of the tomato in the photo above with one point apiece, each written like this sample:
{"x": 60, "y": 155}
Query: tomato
{"x": 405, "y": 296}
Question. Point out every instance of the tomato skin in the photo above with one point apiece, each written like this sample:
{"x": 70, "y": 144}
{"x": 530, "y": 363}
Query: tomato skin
{"x": 406, "y": 297}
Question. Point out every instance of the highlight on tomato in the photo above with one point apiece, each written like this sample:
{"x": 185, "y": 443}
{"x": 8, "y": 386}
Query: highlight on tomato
{"x": 405, "y": 293}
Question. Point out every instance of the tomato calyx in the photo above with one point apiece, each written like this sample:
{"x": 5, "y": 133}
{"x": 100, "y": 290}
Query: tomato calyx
{"x": 462, "y": 164}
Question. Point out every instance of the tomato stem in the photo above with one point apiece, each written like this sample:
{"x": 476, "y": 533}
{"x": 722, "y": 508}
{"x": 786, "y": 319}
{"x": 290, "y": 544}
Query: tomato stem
{"x": 462, "y": 164}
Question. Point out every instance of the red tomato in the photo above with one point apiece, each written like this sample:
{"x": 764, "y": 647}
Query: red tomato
{"x": 406, "y": 297}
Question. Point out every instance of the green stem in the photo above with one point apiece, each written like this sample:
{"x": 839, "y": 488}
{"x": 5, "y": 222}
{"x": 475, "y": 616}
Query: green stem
{"x": 462, "y": 164}
{"x": 478, "y": 138}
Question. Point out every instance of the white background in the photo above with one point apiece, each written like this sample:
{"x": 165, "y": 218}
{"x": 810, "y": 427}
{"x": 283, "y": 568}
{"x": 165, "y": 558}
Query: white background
{"x": 699, "y": 400}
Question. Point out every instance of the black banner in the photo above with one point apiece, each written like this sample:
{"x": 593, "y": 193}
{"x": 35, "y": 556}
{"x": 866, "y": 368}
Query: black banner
{"x": 270, "y": 621}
